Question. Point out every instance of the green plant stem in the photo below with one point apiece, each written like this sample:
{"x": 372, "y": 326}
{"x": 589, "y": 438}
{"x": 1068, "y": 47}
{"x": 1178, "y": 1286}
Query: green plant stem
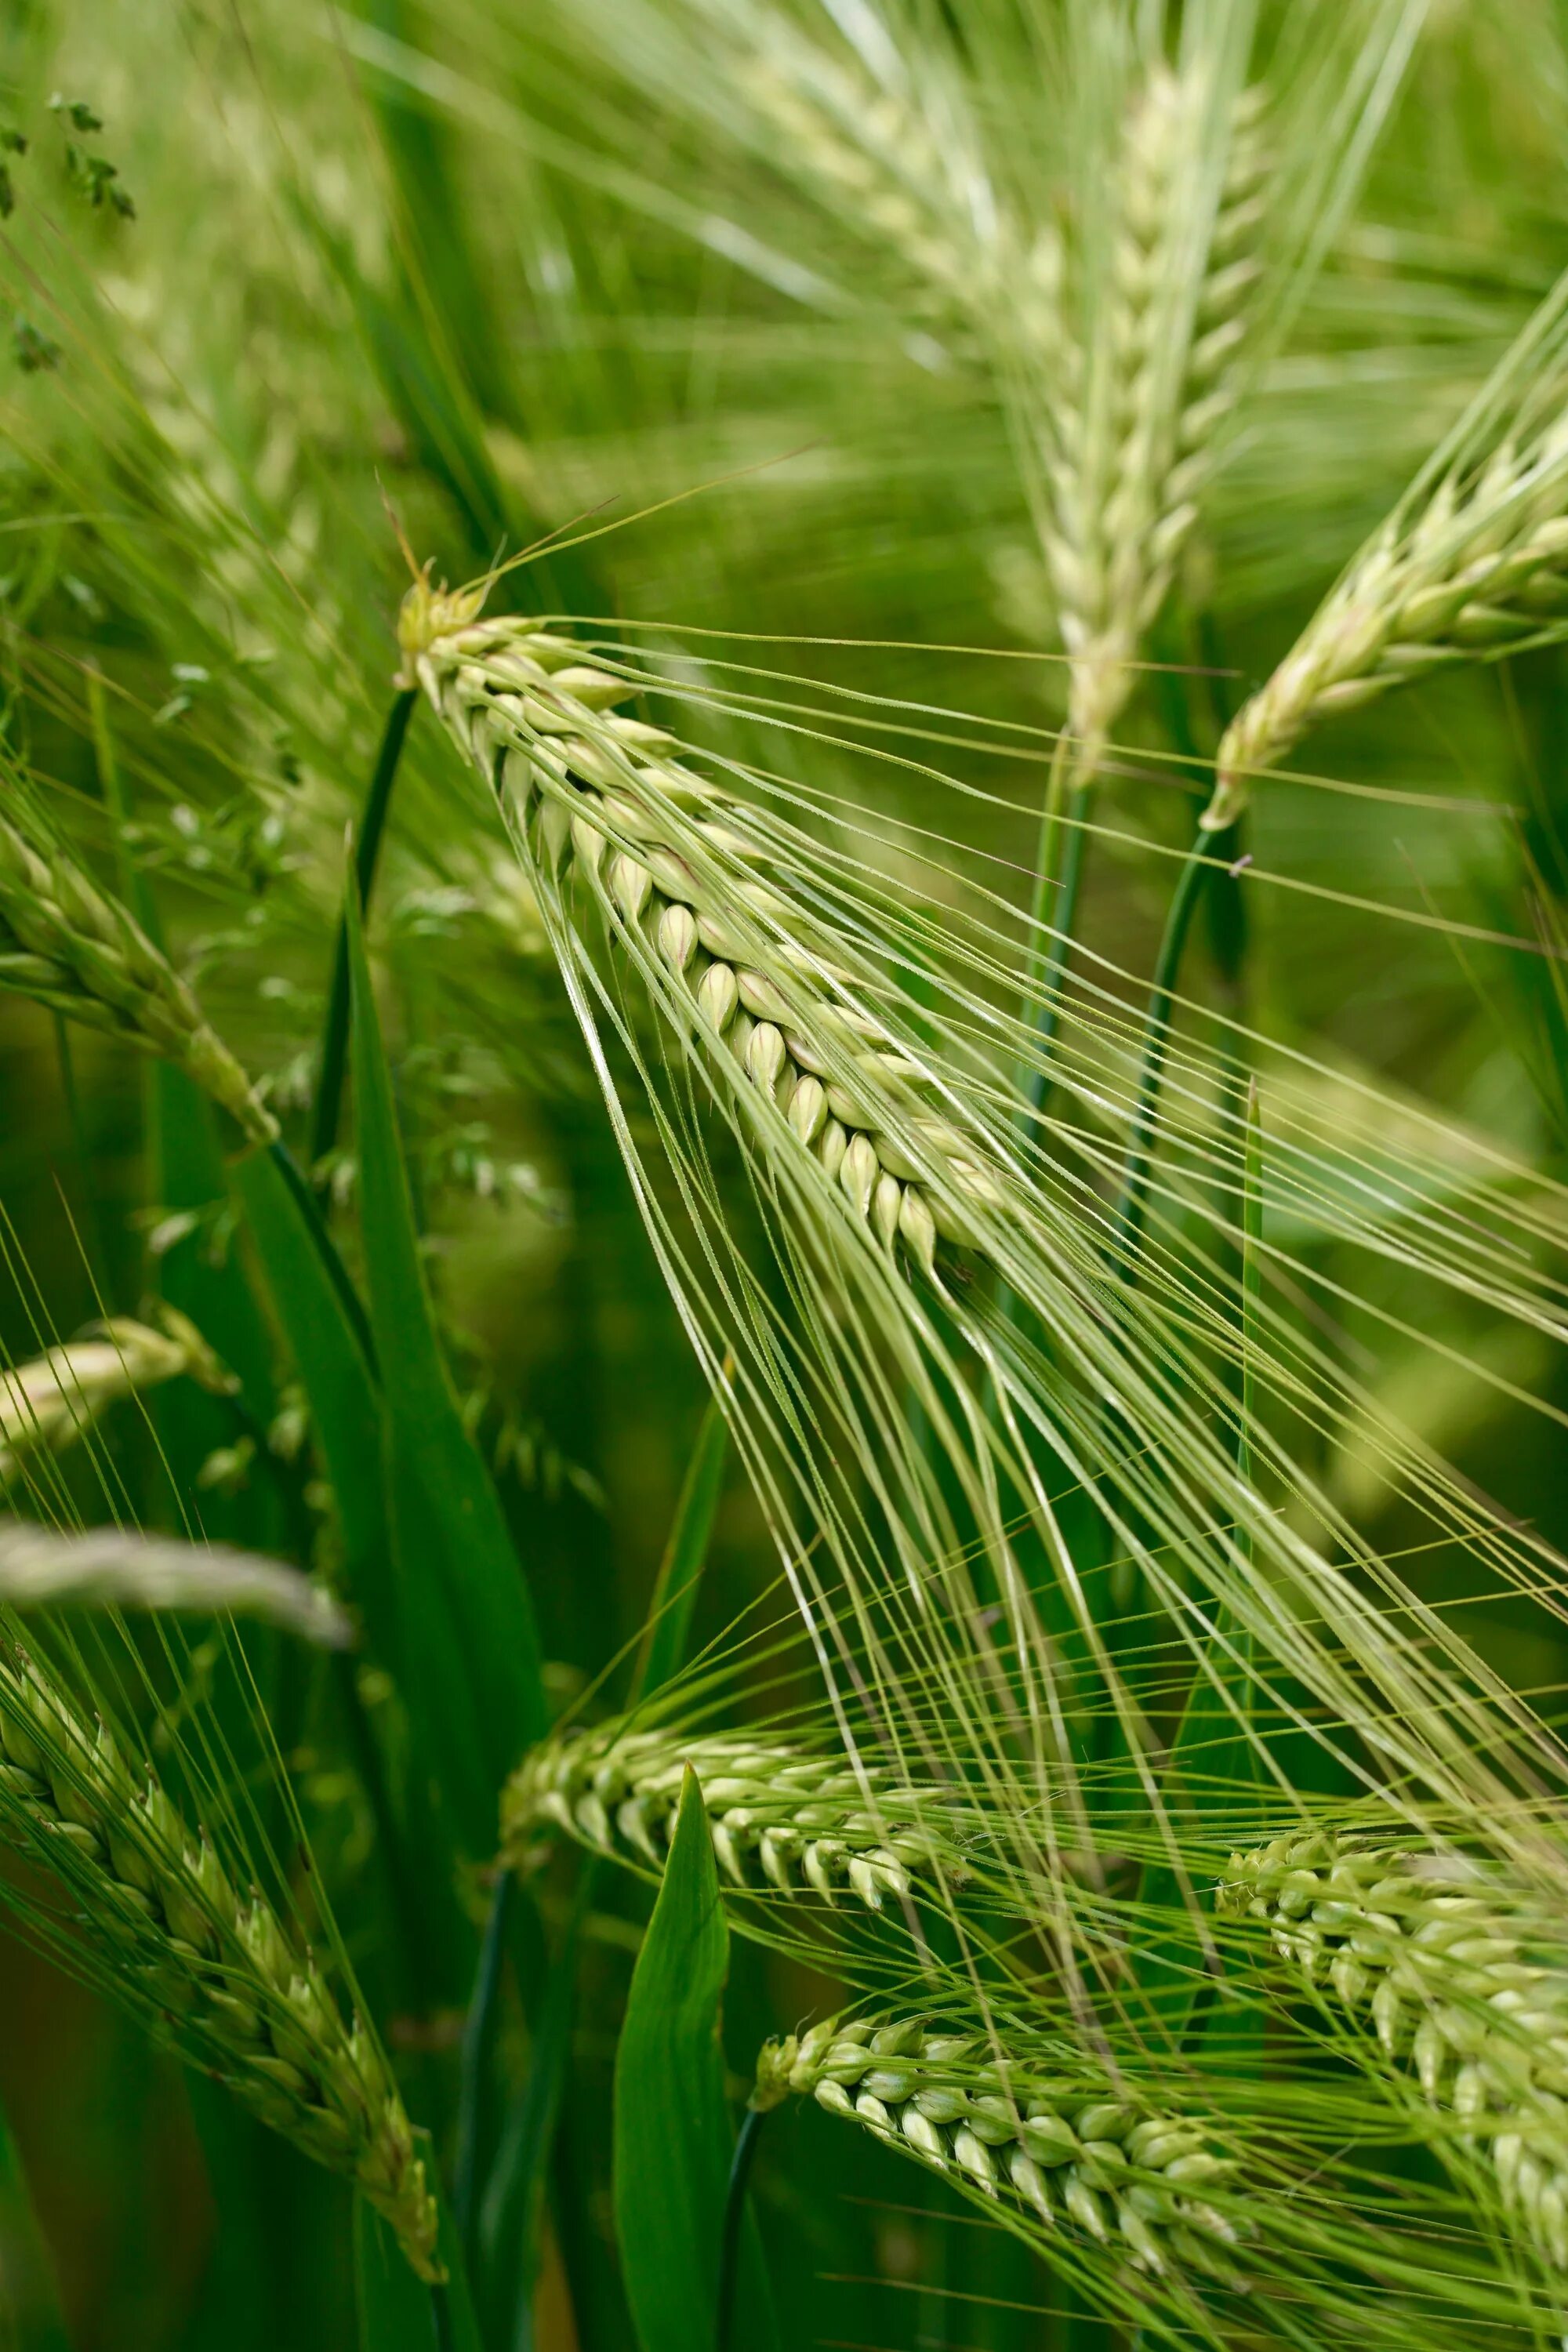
{"x": 734, "y": 2216}
{"x": 478, "y": 2049}
{"x": 367, "y": 851}
{"x": 1053, "y": 910}
{"x": 1132, "y": 1204}
{"x": 93, "y": 1237}
{"x": 337, "y": 1273}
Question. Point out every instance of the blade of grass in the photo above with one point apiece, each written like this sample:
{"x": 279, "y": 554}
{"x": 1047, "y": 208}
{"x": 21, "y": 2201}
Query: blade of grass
{"x": 1189, "y": 890}
{"x": 679, "y": 1575}
{"x": 30, "y": 2313}
{"x": 372, "y": 825}
{"x": 469, "y": 1637}
{"x": 673, "y": 2138}
{"x": 346, "y": 1417}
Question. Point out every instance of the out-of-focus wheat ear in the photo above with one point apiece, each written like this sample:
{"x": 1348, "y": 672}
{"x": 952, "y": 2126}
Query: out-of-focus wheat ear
{"x": 74, "y": 947}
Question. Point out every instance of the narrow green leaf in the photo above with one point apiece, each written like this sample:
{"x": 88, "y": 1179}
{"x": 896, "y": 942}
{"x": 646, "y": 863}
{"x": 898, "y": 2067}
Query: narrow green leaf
{"x": 467, "y": 1632}
{"x": 398, "y": 2312}
{"x": 512, "y": 2215}
{"x": 674, "y": 2138}
{"x": 30, "y": 2317}
{"x": 685, "y": 1555}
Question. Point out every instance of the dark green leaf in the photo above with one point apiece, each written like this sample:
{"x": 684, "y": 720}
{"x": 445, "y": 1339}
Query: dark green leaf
{"x": 472, "y": 1666}
{"x": 685, "y": 1555}
{"x": 673, "y": 2130}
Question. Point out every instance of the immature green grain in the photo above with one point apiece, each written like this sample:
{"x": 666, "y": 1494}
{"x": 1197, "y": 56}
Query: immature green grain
{"x": 783, "y": 1821}
{"x": 1466, "y": 570}
{"x": 73, "y": 947}
{"x": 666, "y": 850}
{"x": 173, "y": 1936}
{"x": 1463, "y": 1981}
{"x": 1067, "y": 2150}
{"x": 56, "y": 1397}
{"x": 111, "y": 1568}
{"x": 1151, "y": 379}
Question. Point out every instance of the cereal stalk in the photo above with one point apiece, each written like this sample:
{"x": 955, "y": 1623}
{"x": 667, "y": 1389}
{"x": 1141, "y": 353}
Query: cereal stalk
{"x": 665, "y": 849}
{"x": 1151, "y": 385}
{"x": 1470, "y": 566}
{"x": 109, "y": 1568}
{"x": 228, "y": 1989}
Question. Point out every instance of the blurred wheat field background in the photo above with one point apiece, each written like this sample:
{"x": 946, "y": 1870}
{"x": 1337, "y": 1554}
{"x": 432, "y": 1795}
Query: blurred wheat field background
{"x": 783, "y": 1034}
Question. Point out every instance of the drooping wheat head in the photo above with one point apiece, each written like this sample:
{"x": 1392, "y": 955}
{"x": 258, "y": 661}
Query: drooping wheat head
{"x": 1065, "y": 2150}
{"x": 664, "y": 847}
{"x": 781, "y": 1820}
{"x": 1471, "y": 564}
{"x": 1464, "y": 1984}
{"x": 56, "y": 1397}
{"x": 213, "y": 1969}
{"x": 72, "y": 945}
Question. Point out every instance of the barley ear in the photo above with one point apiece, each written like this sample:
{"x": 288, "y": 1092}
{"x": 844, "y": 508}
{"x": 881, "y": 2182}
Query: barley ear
{"x": 72, "y": 945}
{"x": 212, "y": 1971}
{"x": 1074, "y": 2156}
{"x": 784, "y": 1822}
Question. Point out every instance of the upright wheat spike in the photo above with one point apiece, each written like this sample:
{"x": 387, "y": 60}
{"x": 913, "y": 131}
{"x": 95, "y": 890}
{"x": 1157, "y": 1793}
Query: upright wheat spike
{"x": 1063, "y": 2151}
{"x": 74, "y": 947}
{"x": 1469, "y": 567}
{"x": 1151, "y": 379}
{"x": 663, "y": 846}
{"x": 1463, "y": 1982}
{"x": 173, "y": 1936}
{"x": 57, "y": 1396}
{"x": 781, "y": 1819}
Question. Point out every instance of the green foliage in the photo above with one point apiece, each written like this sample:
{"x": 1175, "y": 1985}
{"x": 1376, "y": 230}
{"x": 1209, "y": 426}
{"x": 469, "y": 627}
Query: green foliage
{"x": 673, "y": 2130}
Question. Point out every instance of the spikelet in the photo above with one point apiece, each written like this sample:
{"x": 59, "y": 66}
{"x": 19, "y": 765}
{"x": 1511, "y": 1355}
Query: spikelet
{"x": 1152, "y": 383}
{"x": 1464, "y": 1984}
{"x": 1472, "y": 564}
{"x": 1074, "y": 2154}
{"x": 781, "y": 1820}
{"x": 232, "y": 1994}
{"x": 73, "y": 947}
{"x": 538, "y": 722}
{"x": 57, "y": 1396}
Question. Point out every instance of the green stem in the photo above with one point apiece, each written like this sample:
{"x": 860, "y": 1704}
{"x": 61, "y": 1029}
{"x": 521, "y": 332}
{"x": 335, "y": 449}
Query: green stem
{"x": 1189, "y": 882}
{"x": 337, "y": 1271}
{"x": 1053, "y": 908}
{"x": 372, "y": 825}
{"x": 478, "y": 2047}
{"x": 734, "y": 2216}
